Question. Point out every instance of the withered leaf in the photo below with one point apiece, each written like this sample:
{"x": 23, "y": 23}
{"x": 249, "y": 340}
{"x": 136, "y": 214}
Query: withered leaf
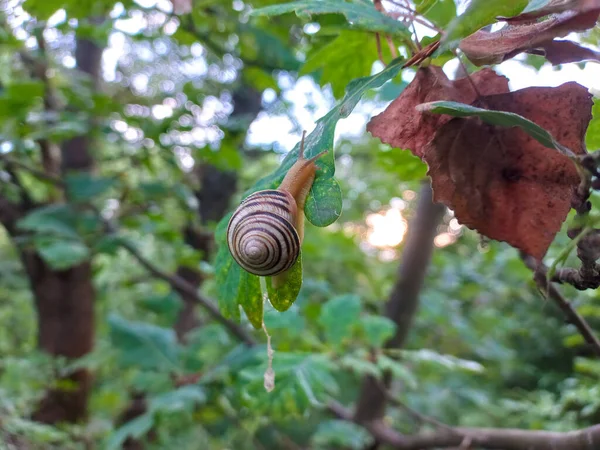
{"x": 401, "y": 126}
{"x": 484, "y": 47}
{"x": 562, "y": 52}
{"x": 554, "y": 7}
{"x": 503, "y": 183}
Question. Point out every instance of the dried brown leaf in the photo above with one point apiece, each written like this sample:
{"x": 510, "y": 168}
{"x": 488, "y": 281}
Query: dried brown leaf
{"x": 555, "y": 7}
{"x": 484, "y": 47}
{"x": 502, "y": 182}
{"x": 562, "y": 52}
{"x": 403, "y": 127}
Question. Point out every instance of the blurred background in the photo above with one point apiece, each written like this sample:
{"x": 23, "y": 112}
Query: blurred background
{"x": 129, "y": 129}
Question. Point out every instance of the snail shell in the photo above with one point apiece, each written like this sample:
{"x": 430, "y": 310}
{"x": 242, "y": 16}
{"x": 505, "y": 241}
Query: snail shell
{"x": 261, "y": 234}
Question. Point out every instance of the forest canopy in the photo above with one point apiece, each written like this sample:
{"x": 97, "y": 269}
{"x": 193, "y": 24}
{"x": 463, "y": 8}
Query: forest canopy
{"x": 315, "y": 224}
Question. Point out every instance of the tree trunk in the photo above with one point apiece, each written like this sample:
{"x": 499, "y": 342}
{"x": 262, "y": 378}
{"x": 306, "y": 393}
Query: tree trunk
{"x": 404, "y": 298}
{"x": 64, "y": 299}
{"x": 65, "y": 307}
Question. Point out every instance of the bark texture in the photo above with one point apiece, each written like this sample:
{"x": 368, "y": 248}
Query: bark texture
{"x": 64, "y": 299}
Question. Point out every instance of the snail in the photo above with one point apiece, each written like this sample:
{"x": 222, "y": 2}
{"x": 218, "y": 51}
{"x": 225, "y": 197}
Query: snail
{"x": 265, "y": 232}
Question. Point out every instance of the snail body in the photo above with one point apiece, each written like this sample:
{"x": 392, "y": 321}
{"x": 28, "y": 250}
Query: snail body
{"x": 265, "y": 232}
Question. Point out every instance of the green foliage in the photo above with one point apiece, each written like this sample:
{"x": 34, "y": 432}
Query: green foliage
{"x": 350, "y": 55}
{"x": 135, "y": 428}
{"x": 338, "y": 316}
{"x": 82, "y": 187}
{"x": 43, "y": 9}
{"x": 341, "y": 434}
{"x": 55, "y": 220}
{"x": 185, "y": 105}
{"x": 359, "y": 13}
{"x": 479, "y": 13}
{"x": 265, "y": 48}
{"x": 440, "y": 12}
{"x": 60, "y": 254}
{"x": 144, "y": 345}
{"x": 302, "y": 381}
{"x": 592, "y": 137}
{"x": 377, "y": 329}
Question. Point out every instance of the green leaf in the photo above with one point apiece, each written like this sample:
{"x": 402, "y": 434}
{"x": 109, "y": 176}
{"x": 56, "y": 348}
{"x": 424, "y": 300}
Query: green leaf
{"x": 378, "y": 329}
{"x": 282, "y": 297}
{"x": 341, "y": 434}
{"x": 360, "y": 14}
{"x": 338, "y": 316}
{"x": 166, "y": 305}
{"x": 152, "y": 190}
{"x": 592, "y": 136}
{"x": 479, "y": 14}
{"x": 499, "y": 118}
{"x": 398, "y": 370}
{"x": 324, "y": 202}
{"x": 40, "y": 433}
{"x": 54, "y": 220}
{"x": 235, "y": 286}
{"x": 144, "y": 345}
{"x": 60, "y": 254}
{"x": 323, "y": 206}
{"x": 350, "y": 55}
{"x": 359, "y": 366}
{"x": 44, "y": 9}
{"x": 250, "y": 297}
{"x": 440, "y": 12}
{"x": 302, "y": 380}
{"x": 265, "y": 48}
{"x": 134, "y": 428}
{"x": 290, "y": 321}
{"x": 446, "y": 361}
{"x": 181, "y": 399}
{"x": 110, "y": 244}
{"x": 403, "y": 163}
{"x": 83, "y": 186}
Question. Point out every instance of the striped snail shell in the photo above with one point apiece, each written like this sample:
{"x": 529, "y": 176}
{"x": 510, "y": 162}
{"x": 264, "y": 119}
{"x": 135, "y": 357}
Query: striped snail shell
{"x": 261, "y": 233}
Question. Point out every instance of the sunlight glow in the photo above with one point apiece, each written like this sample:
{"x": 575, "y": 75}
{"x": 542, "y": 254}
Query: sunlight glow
{"x": 386, "y": 229}
{"x": 444, "y": 239}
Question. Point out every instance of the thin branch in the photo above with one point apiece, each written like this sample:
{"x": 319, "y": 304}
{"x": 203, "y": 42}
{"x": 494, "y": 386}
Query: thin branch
{"x": 553, "y": 293}
{"x": 379, "y": 52}
{"x": 35, "y": 172}
{"x": 393, "y": 400}
{"x": 490, "y": 438}
{"x": 174, "y": 280}
{"x": 180, "y": 284}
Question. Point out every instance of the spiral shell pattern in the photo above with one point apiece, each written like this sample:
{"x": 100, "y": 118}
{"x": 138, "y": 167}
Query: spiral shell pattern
{"x": 261, "y": 234}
